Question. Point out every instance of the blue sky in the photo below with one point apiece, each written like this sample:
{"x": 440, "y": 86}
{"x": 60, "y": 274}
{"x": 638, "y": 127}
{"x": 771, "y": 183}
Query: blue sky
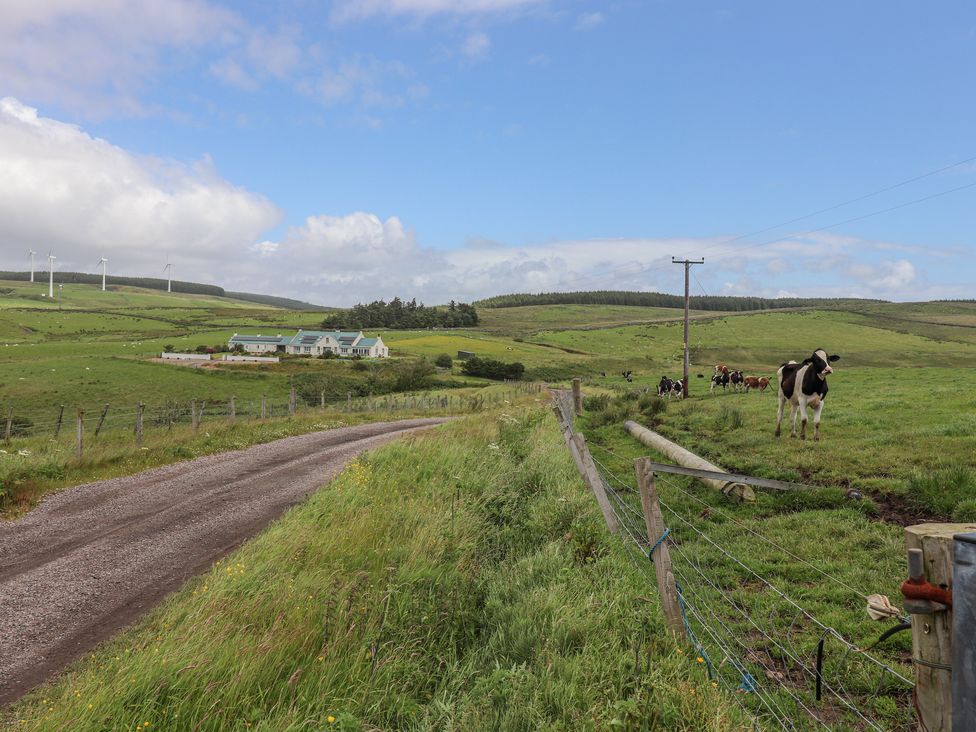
{"x": 445, "y": 149}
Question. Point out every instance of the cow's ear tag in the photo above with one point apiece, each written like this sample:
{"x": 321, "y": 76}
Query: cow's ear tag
{"x": 833, "y": 358}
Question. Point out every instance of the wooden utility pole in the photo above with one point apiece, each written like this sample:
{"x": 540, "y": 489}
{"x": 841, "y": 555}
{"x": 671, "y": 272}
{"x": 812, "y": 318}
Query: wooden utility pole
{"x": 660, "y": 554}
{"x": 687, "y": 263}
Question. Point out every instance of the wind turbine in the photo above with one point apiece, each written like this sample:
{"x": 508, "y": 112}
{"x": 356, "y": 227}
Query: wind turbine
{"x": 169, "y": 275}
{"x": 31, "y": 253}
{"x": 102, "y": 262}
{"x": 50, "y": 266}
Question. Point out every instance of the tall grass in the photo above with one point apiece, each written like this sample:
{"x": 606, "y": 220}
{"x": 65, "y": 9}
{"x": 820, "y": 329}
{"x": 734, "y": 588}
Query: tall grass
{"x": 459, "y": 579}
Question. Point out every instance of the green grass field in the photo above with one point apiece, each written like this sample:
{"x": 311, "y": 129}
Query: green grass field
{"x": 554, "y": 626}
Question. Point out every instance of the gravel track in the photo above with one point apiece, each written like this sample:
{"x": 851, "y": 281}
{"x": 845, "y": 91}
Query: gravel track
{"x": 90, "y": 560}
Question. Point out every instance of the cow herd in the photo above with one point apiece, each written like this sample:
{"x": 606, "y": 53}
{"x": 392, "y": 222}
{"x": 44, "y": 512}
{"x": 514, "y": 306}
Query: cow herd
{"x": 726, "y": 378}
{"x": 803, "y": 385}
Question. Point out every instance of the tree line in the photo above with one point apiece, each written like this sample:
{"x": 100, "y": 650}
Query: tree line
{"x": 398, "y": 314}
{"x": 655, "y": 300}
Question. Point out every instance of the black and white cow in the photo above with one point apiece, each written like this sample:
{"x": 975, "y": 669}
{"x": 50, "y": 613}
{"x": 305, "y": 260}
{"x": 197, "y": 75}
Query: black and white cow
{"x": 664, "y": 387}
{"x": 804, "y": 385}
{"x": 737, "y": 380}
{"x": 678, "y": 388}
{"x": 721, "y": 378}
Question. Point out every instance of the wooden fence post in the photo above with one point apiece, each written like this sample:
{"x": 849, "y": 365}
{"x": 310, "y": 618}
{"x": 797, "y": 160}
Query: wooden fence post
{"x": 292, "y": 400}
{"x": 232, "y": 408}
{"x": 80, "y": 437}
{"x": 930, "y": 554}
{"x": 101, "y": 420}
{"x": 593, "y": 478}
{"x": 660, "y": 554}
{"x": 322, "y": 399}
{"x": 964, "y": 631}
{"x": 194, "y": 416}
{"x": 264, "y": 406}
{"x": 578, "y": 396}
{"x": 57, "y": 427}
{"x": 140, "y": 408}
{"x": 348, "y": 401}
{"x": 10, "y": 424}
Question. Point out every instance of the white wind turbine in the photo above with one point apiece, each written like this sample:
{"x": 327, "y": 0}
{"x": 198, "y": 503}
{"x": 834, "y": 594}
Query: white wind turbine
{"x": 50, "y": 266}
{"x": 102, "y": 262}
{"x": 169, "y": 275}
{"x": 31, "y": 253}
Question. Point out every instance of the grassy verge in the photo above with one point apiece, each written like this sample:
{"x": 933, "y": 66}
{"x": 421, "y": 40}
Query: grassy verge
{"x": 459, "y": 579}
{"x": 32, "y": 467}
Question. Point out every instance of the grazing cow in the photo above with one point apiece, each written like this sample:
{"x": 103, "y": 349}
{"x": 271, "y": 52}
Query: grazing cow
{"x": 678, "y": 388}
{"x": 721, "y": 368}
{"x": 751, "y": 382}
{"x": 721, "y": 379}
{"x": 763, "y": 383}
{"x": 804, "y": 385}
{"x": 664, "y": 387}
{"x": 736, "y": 378}
{"x": 627, "y": 375}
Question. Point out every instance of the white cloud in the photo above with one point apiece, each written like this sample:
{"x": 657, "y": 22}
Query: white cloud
{"x": 96, "y": 57}
{"x": 347, "y": 10}
{"x": 539, "y": 59}
{"x": 476, "y": 46}
{"x": 589, "y": 21}
{"x": 84, "y": 198}
{"x": 367, "y": 82}
{"x": 262, "y": 57}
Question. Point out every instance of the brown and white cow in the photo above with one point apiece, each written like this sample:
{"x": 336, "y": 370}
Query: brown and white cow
{"x": 804, "y": 385}
{"x": 756, "y": 382}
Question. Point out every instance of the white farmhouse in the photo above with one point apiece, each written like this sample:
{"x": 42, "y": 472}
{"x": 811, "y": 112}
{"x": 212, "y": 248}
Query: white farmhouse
{"x": 314, "y": 343}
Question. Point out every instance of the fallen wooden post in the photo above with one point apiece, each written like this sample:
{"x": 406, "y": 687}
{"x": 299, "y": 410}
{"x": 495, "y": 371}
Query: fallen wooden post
{"x": 726, "y": 485}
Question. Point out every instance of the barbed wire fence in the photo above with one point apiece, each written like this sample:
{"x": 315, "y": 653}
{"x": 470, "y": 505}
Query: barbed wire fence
{"x": 778, "y": 659}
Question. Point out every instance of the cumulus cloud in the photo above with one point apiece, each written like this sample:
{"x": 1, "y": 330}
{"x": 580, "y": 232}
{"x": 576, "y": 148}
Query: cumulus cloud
{"x": 85, "y": 198}
{"x": 95, "y": 57}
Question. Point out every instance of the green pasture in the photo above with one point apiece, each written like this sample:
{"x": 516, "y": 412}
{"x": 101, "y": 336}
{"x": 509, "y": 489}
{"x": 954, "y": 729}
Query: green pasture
{"x": 26, "y": 294}
{"x": 531, "y": 318}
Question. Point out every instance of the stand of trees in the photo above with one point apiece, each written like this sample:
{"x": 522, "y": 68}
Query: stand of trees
{"x": 398, "y": 314}
{"x": 489, "y": 368}
{"x": 654, "y": 299}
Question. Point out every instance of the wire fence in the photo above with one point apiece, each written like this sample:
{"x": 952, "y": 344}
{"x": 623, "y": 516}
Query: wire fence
{"x": 62, "y": 421}
{"x": 762, "y": 639}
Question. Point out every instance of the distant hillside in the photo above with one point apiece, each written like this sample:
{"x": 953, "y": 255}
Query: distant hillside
{"x": 84, "y": 278}
{"x": 279, "y": 302}
{"x": 658, "y": 300}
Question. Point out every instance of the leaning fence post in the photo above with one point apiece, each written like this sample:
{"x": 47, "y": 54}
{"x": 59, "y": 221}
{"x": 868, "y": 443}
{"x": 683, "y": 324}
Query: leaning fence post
{"x": 10, "y": 424}
{"x": 593, "y": 478}
{"x": 194, "y": 416}
{"x": 578, "y": 396}
{"x": 101, "y": 420}
{"x": 232, "y": 408}
{"x": 57, "y": 427}
{"x": 964, "y": 631}
{"x": 659, "y": 552}
{"x": 140, "y": 408}
{"x": 928, "y": 598}
{"x": 80, "y": 437}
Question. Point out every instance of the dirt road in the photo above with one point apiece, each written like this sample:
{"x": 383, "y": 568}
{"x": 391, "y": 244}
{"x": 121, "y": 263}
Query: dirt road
{"x": 90, "y": 560}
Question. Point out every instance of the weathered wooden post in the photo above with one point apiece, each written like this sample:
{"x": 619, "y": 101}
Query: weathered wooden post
{"x": 264, "y": 406}
{"x": 593, "y": 478}
{"x": 140, "y": 408}
{"x": 101, "y": 420}
{"x": 80, "y": 435}
{"x": 659, "y": 552}
{"x": 57, "y": 427}
{"x": 578, "y": 396}
{"x": 10, "y": 425}
{"x": 232, "y": 408}
{"x": 964, "y": 631}
{"x": 928, "y": 598}
{"x": 194, "y": 416}
{"x": 348, "y": 401}
{"x": 292, "y": 401}
{"x": 322, "y": 399}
